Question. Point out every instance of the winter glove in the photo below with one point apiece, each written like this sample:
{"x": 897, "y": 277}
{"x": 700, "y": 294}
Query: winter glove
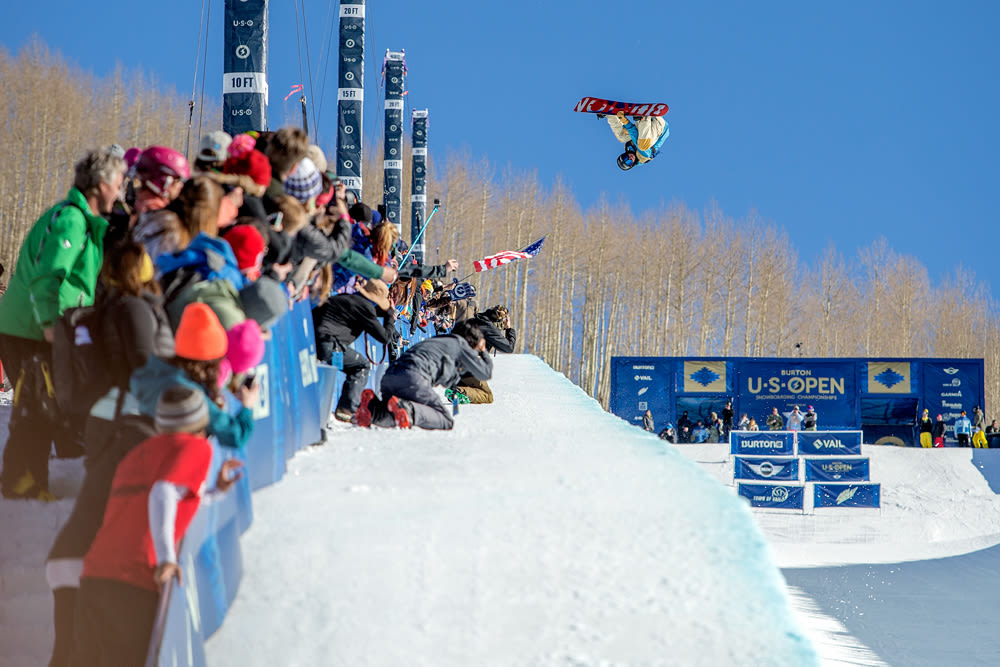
{"x": 622, "y": 118}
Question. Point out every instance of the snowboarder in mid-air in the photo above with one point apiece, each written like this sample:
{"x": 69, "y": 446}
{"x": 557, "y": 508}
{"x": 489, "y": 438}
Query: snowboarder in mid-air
{"x": 643, "y": 138}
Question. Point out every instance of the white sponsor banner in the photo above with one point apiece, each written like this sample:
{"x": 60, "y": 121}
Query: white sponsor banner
{"x": 418, "y": 199}
{"x": 393, "y": 164}
{"x": 420, "y": 151}
{"x": 393, "y": 104}
{"x": 352, "y": 11}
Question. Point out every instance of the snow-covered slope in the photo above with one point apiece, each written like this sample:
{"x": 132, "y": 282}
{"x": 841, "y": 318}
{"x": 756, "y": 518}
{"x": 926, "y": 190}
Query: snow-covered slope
{"x": 540, "y": 531}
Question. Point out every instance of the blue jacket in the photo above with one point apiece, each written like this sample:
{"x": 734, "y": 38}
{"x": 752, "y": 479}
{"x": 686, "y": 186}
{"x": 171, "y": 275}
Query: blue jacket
{"x": 212, "y": 258}
{"x": 151, "y": 380}
{"x": 963, "y": 425}
{"x": 650, "y": 152}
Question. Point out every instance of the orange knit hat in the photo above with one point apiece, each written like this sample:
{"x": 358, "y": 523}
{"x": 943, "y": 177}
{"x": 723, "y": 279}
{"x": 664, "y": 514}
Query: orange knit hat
{"x": 200, "y": 336}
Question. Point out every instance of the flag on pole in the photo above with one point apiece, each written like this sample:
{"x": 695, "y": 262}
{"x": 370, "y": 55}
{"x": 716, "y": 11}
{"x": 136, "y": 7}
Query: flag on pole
{"x": 507, "y": 256}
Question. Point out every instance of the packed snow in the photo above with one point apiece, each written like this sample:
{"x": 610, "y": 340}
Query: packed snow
{"x": 544, "y": 531}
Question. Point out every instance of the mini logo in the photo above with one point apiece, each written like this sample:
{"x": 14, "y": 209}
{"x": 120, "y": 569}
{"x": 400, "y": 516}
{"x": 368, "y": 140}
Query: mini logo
{"x": 766, "y": 469}
{"x": 950, "y": 371}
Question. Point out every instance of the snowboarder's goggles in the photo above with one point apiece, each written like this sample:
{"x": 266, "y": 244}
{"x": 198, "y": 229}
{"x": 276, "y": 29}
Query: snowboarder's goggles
{"x": 629, "y": 158}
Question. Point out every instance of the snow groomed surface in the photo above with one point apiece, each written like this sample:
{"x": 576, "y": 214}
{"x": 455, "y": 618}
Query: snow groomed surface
{"x": 541, "y": 530}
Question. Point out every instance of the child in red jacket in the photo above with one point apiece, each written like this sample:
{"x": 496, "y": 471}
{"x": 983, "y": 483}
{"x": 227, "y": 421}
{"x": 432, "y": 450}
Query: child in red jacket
{"x": 154, "y": 496}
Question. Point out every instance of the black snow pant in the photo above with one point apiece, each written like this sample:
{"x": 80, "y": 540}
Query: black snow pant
{"x": 33, "y": 426}
{"x": 427, "y": 409}
{"x": 355, "y": 367}
{"x": 114, "y": 624}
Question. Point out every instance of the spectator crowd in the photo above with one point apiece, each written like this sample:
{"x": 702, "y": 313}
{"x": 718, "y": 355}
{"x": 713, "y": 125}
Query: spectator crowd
{"x": 131, "y": 327}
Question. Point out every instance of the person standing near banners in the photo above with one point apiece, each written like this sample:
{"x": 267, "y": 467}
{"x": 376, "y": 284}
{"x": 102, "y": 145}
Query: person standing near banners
{"x": 647, "y": 422}
{"x": 978, "y": 428}
{"x": 774, "y": 420}
{"x": 937, "y": 433}
{"x": 727, "y": 419}
{"x": 926, "y": 427}
{"x": 810, "y": 420}
{"x": 795, "y": 419}
{"x": 963, "y": 430}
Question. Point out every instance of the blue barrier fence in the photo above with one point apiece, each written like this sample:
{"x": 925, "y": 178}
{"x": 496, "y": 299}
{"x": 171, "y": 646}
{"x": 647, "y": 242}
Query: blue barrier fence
{"x": 297, "y": 397}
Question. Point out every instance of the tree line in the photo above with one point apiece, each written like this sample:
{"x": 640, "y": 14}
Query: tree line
{"x": 608, "y": 281}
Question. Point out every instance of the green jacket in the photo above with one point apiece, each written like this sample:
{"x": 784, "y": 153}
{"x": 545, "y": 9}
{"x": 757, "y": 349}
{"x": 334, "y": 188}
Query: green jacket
{"x": 56, "y": 269}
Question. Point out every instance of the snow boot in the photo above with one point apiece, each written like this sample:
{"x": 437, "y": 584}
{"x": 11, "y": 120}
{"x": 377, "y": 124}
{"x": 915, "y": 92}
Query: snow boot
{"x": 363, "y": 417}
{"x": 398, "y": 412}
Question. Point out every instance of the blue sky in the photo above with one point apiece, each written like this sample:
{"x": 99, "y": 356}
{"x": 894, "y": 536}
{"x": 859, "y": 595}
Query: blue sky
{"x": 840, "y": 122}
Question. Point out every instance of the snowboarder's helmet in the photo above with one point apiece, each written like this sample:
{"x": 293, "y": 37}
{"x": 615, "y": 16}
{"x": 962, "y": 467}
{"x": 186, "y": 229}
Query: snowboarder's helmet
{"x": 159, "y": 167}
{"x": 627, "y": 160}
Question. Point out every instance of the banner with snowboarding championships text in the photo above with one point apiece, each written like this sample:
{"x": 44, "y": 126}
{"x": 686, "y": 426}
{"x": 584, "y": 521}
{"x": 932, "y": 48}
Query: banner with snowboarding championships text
{"x": 244, "y": 82}
{"x": 837, "y": 470}
{"x": 394, "y": 71}
{"x": 351, "y": 93}
{"x": 418, "y": 183}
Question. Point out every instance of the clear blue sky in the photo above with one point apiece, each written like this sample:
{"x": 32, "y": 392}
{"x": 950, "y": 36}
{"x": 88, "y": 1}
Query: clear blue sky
{"x": 840, "y": 122}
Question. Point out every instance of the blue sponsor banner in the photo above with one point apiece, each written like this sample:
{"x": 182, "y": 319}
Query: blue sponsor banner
{"x": 394, "y": 72}
{"x": 762, "y": 443}
{"x": 418, "y": 183}
{"x": 774, "y": 496}
{"x": 244, "y": 84}
{"x": 829, "y": 443}
{"x": 952, "y": 386}
{"x": 351, "y": 93}
{"x": 837, "y": 470}
{"x": 776, "y": 469}
{"x": 846, "y": 495}
{"x": 829, "y": 386}
{"x": 643, "y": 384}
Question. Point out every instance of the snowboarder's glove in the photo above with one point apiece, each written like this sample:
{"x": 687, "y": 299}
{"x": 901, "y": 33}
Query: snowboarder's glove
{"x": 622, "y": 118}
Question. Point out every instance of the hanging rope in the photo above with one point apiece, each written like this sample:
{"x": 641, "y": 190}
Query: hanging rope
{"x": 305, "y": 35}
{"x": 204, "y": 64}
{"x": 194, "y": 81}
{"x": 325, "y": 45}
{"x": 298, "y": 49}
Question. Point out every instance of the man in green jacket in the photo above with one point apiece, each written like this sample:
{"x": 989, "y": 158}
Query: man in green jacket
{"x": 57, "y": 268}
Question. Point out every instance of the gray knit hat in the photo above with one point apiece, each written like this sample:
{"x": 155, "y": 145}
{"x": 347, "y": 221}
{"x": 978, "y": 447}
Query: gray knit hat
{"x": 181, "y": 409}
{"x": 265, "y": 301}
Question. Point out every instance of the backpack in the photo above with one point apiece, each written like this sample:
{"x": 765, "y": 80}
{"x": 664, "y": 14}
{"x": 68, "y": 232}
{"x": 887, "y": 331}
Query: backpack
{"x": 82, "y": 369}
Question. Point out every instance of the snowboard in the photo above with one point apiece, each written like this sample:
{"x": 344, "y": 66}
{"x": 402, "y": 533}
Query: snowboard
{"x": 611, "y": 107}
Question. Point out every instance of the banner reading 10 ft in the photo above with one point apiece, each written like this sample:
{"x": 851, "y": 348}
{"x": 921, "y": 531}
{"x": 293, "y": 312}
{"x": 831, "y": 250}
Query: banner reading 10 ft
{"x": 828, "y": 386}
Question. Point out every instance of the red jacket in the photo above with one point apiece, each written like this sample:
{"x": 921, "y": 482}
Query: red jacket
{"x": 123, "y": 548}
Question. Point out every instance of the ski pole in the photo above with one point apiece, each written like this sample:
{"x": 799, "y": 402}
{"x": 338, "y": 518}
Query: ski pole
{"x": 413, "y": 243}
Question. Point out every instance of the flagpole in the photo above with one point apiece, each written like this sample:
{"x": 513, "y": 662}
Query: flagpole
{"x": 413, "y": 243}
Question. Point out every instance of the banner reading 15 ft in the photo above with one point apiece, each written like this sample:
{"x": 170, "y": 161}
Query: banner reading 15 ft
{"x": 828, "y": 386}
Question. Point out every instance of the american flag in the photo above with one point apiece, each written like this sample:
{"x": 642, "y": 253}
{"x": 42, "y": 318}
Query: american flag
{"x": 501, "y": 258}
